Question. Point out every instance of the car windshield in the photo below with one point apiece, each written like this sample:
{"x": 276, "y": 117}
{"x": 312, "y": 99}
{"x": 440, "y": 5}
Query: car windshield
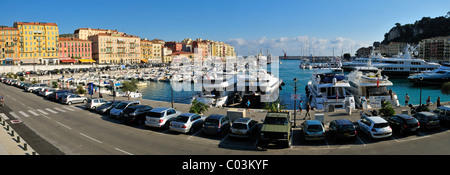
{"x": 181, "y": 119}
{"x": 412, "y": 121}
{"x": 121, "y": 106}
{"x": 209, "y": 121}
{"x": 432, "y": 118}
{"x": 155, "y": 114}
{"x": 346, "y": 128}
{"x": 239, "y": 126}
{"x": 314, "y": 128}
{"x": 380, "y": 125}
{"x": 275, "y": 121}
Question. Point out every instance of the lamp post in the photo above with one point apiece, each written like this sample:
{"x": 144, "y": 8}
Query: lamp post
{"x": 420, "y": 78}
{"x": 295, "y": 102}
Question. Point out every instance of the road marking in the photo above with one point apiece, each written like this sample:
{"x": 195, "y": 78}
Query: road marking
{"x": 21, "y": 103}
{"x": 14, "y": 115}
{"x": 416, "y": 138}
{"x": 32, "y": 112}
{"x": 64, "y": 125}
{"x": 194, "y": 134}
{"x": 42, "y": 111}
{"x": 4, "y": 116}
{"x": 24, "y": 114}
{"x": 69, "y": 108}
{"x": 224, "y": 138}
{"x": 360, "y": 141}
{"x": 52, "y": 111}
{"x": 60, "y": 109}
{"x": 90, "y": 138}
{"x": 123, "y": 151}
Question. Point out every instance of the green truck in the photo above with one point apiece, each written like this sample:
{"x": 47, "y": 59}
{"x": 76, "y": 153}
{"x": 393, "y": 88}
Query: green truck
{"x": 276, "y": 128}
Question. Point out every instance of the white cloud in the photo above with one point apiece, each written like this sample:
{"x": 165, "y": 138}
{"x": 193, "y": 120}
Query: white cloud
{"x": 300, "y": 45}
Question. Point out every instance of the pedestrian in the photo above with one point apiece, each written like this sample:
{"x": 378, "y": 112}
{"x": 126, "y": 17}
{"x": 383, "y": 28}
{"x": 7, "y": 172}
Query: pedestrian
{"x": 300, "y": 106}
{"x": 2, "y": 99}
{"x": 406, "y": 99}
{"x": 308, "y": 108}
{"x": 248, "y": 105}
{"x": 438, "y": 101}
{"x": 362, "y": 104}
{"x": 390, "y": 93}
{"x": 428, "y": 100}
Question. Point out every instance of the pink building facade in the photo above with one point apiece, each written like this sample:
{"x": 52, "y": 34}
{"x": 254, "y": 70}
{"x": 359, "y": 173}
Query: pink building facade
{"x": 75, "y": 48}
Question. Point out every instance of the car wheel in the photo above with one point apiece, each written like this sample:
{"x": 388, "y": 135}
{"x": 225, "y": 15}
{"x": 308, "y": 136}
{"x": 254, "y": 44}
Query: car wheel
{"x": 84, "y": 101}
{"x": 69, "y": 103}
{"x": 191, "y": 130}
{"x": 93, "y": 108}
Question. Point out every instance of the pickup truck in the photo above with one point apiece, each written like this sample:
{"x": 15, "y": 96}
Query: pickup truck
{"x": 276, "y": 128}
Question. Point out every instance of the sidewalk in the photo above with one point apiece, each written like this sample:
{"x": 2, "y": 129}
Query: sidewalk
{"x": 9, "y": 144}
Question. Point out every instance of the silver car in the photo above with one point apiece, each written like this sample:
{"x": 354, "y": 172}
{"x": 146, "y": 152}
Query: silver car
{"x": 93, "y": 103}
{"x": 73, "y": 98}
{"x": 186, "y": 122}
{"x": 161, "y": 117}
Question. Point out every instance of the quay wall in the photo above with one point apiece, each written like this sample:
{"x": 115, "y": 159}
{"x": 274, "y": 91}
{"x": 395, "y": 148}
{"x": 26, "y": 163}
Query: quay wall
{"x": 18, "y": 68}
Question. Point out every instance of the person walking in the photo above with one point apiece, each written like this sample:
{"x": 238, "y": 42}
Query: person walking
{"x": 438, "y": 101}
{"x": 300, "y": 107}
{"x": 406, "y": 99}
{"x": 248, "y": 105}
{"x": 308, "y": 108}
{"x": 2, "y": 99}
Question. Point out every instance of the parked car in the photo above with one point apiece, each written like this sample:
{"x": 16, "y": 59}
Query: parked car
{"x": 43, "y": 90}
{"x": 276, "y": 128}
{"x": 403, "y": 123}
{"x": 443, "y": 113}
{"x": 57, "y": 95}
{"x": 161, "y": 117}
{"x": 116, "y": 112}
{"x": 94, "y": 103}
{"x": 186, "y": 123}
{"x": 375, "y": 127}
{"x": 313, "y": 130}
{"x": 48, "y": 92}
{"x": 427, "y": 120}
{"x": 106, "y": 108}
{"x": 34, "y": 87}
{"x": 136, "y": 114}
{"x": 73, "y": 98}
{"x": 244, "y": 128}
{"x": 342, "y": 129}
{"x": 216, "y": 124}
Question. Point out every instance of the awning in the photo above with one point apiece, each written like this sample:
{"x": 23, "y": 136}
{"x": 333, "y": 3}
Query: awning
{"x": 67, "y": 60}
{"x": 144, "y": 60}
{"x": 86, "y": 60}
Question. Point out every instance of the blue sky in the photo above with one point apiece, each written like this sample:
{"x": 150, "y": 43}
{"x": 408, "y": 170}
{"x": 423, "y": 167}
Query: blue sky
{"x": 249, "y": 25}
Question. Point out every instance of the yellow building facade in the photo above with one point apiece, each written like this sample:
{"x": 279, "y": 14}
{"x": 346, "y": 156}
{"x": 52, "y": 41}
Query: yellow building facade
{"x": 38, "y": 42}
{"x": 9, "y": 39}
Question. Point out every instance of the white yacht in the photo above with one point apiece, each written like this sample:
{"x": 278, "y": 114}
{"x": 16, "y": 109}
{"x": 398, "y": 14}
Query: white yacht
{"x": 370, "y": 88}
{"x": 326, "y": 90}
{"x": 401, "y": 66}
{"x": 258, "y": 86}
{"x": 217, "y": 88}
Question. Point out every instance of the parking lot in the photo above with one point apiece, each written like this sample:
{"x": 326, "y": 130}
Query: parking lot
{"x": 103, "y": 129}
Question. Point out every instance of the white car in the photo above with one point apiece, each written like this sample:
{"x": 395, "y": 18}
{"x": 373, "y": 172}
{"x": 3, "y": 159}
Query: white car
{"x": 73, "y": 98}
{"x": 93, "y": 103}
{"x": 161, "y": 117}
{"x": 375, "y": 127}
{"x": 186, "y": 122}
{"x": 34, "y": 87}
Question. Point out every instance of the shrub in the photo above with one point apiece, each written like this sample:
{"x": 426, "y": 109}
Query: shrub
{"x": 386, "y": 109}
{"x": 198, "y": 107}
{"x": 445, "y": 88}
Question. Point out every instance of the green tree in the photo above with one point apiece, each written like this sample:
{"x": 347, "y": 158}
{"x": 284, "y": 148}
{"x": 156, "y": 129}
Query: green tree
{"x": 198, "y": 107}
{"x": 273, "y": 106}
{"x": 129, "y": 86}
{"x": 386, "y": 109}
{"x": 445, "y": 88}
{"x": 80, "y": 90}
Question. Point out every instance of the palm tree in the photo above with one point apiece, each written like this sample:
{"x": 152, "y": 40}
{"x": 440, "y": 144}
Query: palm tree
{"x": 198, "y": 107}
{"x": 275, "y": 106}
{"x": 129, "y": 86}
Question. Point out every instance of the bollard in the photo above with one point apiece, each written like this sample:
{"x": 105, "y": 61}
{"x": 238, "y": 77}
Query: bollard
{"x": 12, "y": 133}
{"x": 4, "y": 122}
{"x": 7, "y": 127}
{"x": 18, "y": 139}
{"x": 25, "y": 145}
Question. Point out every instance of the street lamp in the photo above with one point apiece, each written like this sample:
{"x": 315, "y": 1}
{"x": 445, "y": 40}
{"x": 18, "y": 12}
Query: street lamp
{"x": 295, "y": 102}
{"x": 420, "y": 78}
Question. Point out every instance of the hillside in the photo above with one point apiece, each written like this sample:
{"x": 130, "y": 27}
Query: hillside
{"x": 425, "y": 28}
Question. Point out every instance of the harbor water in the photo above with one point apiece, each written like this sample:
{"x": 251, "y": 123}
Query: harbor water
{"x": 288, "y": 70}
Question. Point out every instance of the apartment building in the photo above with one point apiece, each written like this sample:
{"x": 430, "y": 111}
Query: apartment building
{"x": 435, "y": 49}
{"x": 38, "y": 42}
{"x": 9, "y": 46}
{"x": 72, "y": 49}
{"x": 115, "y": 48}
{"x": 85, "y": 33}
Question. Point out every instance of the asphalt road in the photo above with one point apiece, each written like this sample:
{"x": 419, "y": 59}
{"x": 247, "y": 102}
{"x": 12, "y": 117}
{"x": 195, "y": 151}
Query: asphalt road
{"x": 53, "y": 128}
